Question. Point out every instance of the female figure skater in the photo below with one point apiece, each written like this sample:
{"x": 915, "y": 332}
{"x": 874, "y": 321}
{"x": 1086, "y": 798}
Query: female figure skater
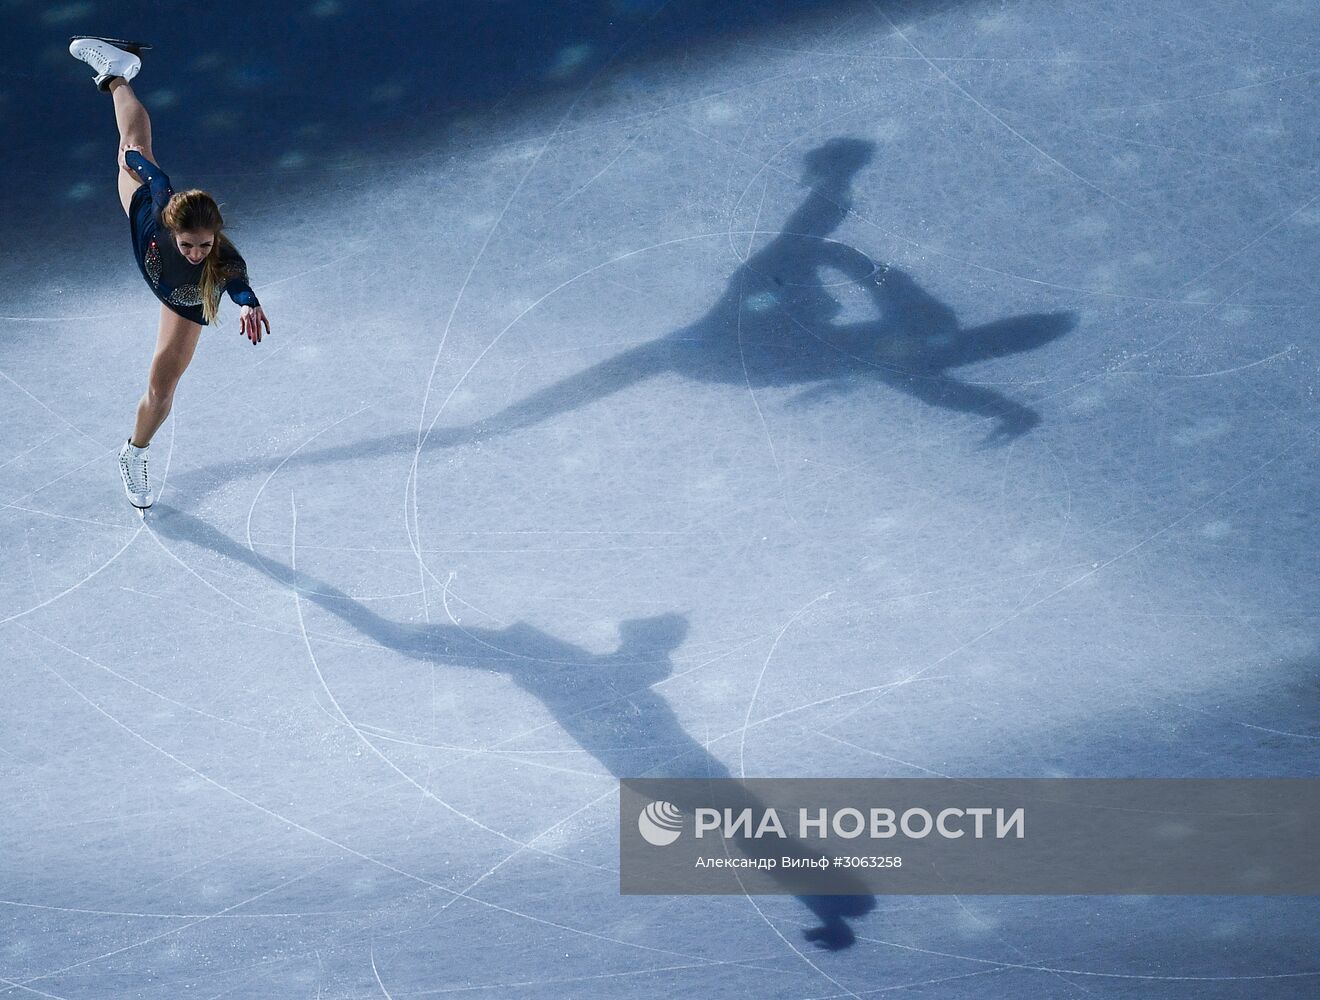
{"x": 180, "y": 247}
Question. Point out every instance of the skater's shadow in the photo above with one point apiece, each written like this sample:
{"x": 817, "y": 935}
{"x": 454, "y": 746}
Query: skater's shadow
{"x": 777, "y": 324}
{"x": 607, "y": 702}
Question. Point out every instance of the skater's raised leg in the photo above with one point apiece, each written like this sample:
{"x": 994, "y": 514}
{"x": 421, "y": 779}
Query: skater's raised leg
{"x": 134, "y": 133}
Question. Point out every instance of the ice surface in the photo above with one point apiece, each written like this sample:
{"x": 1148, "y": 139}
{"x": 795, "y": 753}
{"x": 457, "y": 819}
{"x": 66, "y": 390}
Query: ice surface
{"x": 894, "y": 389}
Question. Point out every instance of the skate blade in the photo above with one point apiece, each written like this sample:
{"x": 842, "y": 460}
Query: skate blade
{"x": 137, "y": 48}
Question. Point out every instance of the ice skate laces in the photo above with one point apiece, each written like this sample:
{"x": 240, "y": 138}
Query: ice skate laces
{"x": 134, "y": 468}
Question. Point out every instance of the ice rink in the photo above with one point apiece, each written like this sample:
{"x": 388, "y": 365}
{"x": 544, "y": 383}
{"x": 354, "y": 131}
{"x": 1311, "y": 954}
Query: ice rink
{"x": 754, "y": 389}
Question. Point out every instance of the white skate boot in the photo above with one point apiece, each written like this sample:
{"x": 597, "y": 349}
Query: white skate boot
{"x": 110, "y": 57}
{"x": 133, "y": 469}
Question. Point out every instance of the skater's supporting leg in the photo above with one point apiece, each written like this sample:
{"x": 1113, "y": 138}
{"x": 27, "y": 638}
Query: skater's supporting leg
{"x": 134, "y": 133}
{"x": 175, "y": 345}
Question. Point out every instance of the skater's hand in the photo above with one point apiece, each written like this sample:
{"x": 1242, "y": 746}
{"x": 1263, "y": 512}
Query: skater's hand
{"x": 250, "y": 321}
{"x": 123, "y": 162}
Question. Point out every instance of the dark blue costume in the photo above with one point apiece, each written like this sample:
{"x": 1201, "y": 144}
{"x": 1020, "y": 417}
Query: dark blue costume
{"x": 175, "y": 281}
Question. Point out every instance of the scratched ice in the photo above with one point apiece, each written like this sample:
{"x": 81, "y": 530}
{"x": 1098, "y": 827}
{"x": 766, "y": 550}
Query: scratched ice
{"x": 763, "y": 389}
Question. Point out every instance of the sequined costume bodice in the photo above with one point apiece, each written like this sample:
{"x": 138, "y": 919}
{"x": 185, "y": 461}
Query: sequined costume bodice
{"x": 172, "y": 278}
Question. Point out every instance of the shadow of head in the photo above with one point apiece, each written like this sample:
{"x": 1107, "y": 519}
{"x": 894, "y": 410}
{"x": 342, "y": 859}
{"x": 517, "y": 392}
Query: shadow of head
{"x": 652, "y": 637}
{"x": 835, "y": 162}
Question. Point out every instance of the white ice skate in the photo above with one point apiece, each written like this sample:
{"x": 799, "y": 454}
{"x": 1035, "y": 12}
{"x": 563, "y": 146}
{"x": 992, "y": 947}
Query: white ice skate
{"x": 110, "y": 57}
{"x": 133, "y": 469}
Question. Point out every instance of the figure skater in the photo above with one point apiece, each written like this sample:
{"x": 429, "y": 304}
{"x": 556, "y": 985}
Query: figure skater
{"x": 180, "y": 248}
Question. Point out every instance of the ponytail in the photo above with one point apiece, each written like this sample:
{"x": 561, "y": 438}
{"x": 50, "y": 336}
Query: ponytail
{"x": 215, "y": 275}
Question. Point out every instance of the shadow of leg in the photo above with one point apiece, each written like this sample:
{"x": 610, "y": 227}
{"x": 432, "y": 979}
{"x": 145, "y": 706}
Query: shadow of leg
{"x": 1008, "y": 336}
{"x": 574, "y": 392}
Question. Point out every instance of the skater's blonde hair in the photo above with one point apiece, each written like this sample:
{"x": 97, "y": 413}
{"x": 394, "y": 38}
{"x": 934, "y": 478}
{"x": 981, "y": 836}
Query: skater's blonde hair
{"x": 197, "y": 212}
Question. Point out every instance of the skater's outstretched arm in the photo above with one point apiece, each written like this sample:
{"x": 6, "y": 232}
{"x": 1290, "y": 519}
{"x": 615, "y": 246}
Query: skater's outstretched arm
{"x": 241, "y": 292}
{"x": 237, "y": 287}
{"x": 1010, "y": 419}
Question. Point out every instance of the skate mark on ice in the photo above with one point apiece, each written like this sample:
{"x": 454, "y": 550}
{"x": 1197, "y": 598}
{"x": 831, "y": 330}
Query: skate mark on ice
{"x": 160, "y": 915}
{"x": 347, "y": 721}
{"x": 171, "y": 932}
{"x": 141, "y": 687}
{"x": 361, "y": 855}
{"x": 376, "y": 972}
{"x": 413, "y": 532}
{"x": 1000, "y": 965}
{"x": 1144, "y": 106}
{"x": 74, "y": 586}
{"x": 1088, "y": 574}
{"x": 760, "y": 678}
{"x": 52, "y": 515}
{"x": 1248, "y": 725}
{"x": 1000, "y": 121}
